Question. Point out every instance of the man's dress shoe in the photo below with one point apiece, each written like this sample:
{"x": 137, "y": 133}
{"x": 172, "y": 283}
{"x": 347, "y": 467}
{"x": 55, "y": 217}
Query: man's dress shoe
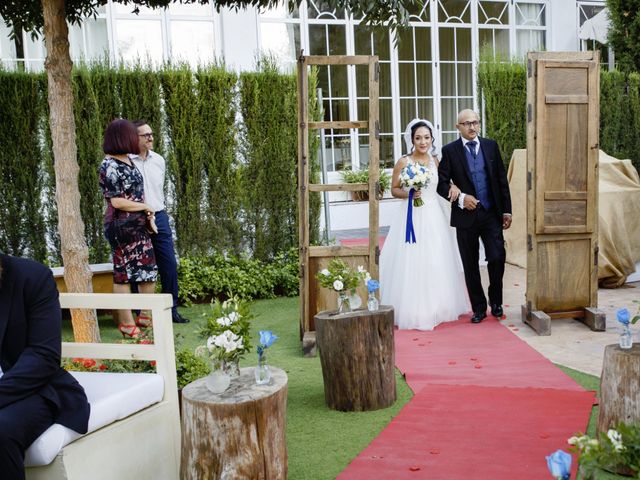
{"x": 477, "y": 317}
{"x": 496, "y": 310}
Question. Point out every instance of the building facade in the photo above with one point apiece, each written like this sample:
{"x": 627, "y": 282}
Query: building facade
{"x": 427, "y": 72}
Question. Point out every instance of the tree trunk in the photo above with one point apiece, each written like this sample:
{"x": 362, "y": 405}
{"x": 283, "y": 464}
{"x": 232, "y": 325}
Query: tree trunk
{"x": 358, "y": 359}
{"x": 619, "y": 387}
{"x": 75, "y": 253}
{"x": 238, "y": 434}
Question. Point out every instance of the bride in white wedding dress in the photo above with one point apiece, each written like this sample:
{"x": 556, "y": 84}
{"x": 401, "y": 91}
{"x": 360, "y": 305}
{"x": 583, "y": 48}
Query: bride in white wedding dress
{"x": 423, "y": 281}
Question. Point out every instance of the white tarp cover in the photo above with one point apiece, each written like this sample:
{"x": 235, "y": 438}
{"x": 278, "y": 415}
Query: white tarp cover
{"x": 596, "y": 28}
{"x": 618, "y": 220}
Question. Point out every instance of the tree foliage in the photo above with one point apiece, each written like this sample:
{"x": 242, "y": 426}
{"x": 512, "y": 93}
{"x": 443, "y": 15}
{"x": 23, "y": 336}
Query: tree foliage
{"x": 27, "y": 14}
{"x": 624, "y": 34}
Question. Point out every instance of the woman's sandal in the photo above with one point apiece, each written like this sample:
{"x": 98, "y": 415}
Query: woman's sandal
{"x": 143, "y": 320}
{"x": 131, "y": 331}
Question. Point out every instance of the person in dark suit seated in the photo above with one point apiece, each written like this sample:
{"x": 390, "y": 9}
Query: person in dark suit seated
{"x": 35, "y": 391}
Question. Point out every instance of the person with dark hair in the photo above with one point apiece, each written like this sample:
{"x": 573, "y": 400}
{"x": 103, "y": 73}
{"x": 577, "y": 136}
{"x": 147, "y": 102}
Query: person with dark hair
{"x": 420, "y": 269}
{"x": 128, "y": 220}
{"x": 35, "y": 391}
{"x": 482, "y": 211}
{"x": 152, "y": 166}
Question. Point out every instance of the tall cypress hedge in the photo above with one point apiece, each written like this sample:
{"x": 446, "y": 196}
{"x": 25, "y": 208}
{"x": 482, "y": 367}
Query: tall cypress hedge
{"x": 89, "y": 131}
{"x": 22, "y": 218}
{"x": 185, "y": 157}
{"x": 503, "y": 89}
{"x": 269, "y": 109}
{"x": 217, "y": 186}
{"x": 216, "y": 128}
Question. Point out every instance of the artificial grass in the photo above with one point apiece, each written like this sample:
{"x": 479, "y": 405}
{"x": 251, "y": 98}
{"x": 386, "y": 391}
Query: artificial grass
{"x": 320, "y": 442}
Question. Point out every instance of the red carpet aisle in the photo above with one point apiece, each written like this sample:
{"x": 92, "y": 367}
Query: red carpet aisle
{"x": 486, "y": 407}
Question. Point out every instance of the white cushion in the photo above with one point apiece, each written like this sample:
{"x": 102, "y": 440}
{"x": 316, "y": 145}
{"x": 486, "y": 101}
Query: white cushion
{"x": 112, "y": 396}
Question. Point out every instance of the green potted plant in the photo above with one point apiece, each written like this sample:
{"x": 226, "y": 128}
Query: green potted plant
{"x": 362, "y": 176}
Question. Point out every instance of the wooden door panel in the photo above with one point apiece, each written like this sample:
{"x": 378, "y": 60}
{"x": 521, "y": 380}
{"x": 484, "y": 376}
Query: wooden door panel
{"x": 566, "y": 94}
{"x": 567, "y": 80}
{"x": 567, "y": 274}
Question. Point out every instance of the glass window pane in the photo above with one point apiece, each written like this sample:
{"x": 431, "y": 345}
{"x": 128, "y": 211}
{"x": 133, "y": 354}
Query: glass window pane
{"x": 7, "y": 47}
{"x": 369, "y": 43}
{"x": 385, "y": 79}
{"x": 319, "y": 9}
{"x": 405, "y": 45}
{"x": 76, "y": 44}
{"x": 406, "y": 77}
{"x": 191, "y": 9}
{"x": 494, "y": 41}
{"x": 34, "y": 49}
{"x": 424, "y": 79}
{"x": 192, "y": 41}
{"x": 97, "y": 37}
{"x": 282, "y": 40}
{"x": 532, "y": 14}
{"x": 493, "y": 12}
{"x": 463, "y": 44}
{"x": 386, "y": 118}
{"x": 133, "y": 46}
{"x": 447, "y": 44}
{"x": 423, "y": 44}
{"x": 449, "y": 113}
{"x": 454, "y": 11}
{"x": 408, "y": 111}
{"x": 529, "y": 40}
{"x": 425, "y": 108}
{"x": 448, "y": 79}
{"x": 318, "y": 44}
{"x": 465, "y": 80}
{"x": 420, "y": 12}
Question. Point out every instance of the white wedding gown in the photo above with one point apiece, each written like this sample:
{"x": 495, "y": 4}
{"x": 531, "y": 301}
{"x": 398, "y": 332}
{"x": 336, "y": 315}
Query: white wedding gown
{"x": 423, "y": 281}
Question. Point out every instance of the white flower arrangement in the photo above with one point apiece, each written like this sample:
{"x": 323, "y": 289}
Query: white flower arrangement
{"x": 340, "y": 277}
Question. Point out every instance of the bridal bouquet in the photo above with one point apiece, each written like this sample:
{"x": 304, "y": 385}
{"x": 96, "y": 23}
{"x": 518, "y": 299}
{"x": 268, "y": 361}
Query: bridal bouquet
{"x": 415, "y": 176}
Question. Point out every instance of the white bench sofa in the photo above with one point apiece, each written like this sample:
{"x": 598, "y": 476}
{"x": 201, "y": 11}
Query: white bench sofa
{"x": 134, "y": 427}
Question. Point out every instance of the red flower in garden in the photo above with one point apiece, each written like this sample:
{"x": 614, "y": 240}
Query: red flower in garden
{"x": 103, "y": 367}
{"x": 89, "y": 363}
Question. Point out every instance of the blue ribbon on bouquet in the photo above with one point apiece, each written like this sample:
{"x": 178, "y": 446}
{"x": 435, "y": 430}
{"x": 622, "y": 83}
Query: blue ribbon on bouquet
{"x": 410, "y": 235}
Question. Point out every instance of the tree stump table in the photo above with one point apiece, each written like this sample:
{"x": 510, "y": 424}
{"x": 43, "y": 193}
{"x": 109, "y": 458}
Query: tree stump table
{"x": 358, "y": 358}
{"x": 239, "y": 434}
{"x": 619, "y": 387}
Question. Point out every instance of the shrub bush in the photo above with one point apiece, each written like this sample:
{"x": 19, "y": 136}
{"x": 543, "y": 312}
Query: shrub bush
{"x": 203, "y": 278}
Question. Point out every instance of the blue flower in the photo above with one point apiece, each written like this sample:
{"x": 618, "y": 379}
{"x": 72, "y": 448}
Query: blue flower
{"x": 623, "y": 316}
{"x": 559, "y": 464}
{"x": 267, "y": 338}
{"x": 372, "y": 285}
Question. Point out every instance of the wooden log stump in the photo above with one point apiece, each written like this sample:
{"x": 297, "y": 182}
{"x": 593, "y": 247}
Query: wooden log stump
{"x": 357, "y": 356}
{"x": 238, "y": 434}
{"x": 619, "y": 387}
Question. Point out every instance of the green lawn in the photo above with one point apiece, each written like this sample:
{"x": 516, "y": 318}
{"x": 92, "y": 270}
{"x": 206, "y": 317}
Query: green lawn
{"x": 320, "y": 442}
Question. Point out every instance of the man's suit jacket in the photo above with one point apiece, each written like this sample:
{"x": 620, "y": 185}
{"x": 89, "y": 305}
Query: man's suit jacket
{"x": 454, "y": 166}
{"x": 30, "y": 343}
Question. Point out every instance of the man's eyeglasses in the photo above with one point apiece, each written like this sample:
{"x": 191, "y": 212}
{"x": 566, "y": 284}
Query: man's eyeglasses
{"x": 146, "y": 135}
{"x": 473, "y": 124}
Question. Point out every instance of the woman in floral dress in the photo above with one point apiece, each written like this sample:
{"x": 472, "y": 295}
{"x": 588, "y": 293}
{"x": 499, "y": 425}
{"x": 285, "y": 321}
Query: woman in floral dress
{"x": 127, "y": 220}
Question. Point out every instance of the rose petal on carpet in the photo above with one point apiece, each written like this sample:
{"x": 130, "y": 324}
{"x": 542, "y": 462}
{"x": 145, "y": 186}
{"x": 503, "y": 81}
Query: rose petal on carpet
{"x": 470, "y": 432}
{"x": 487, "y": 406}
{"x": 486, "y": 354}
